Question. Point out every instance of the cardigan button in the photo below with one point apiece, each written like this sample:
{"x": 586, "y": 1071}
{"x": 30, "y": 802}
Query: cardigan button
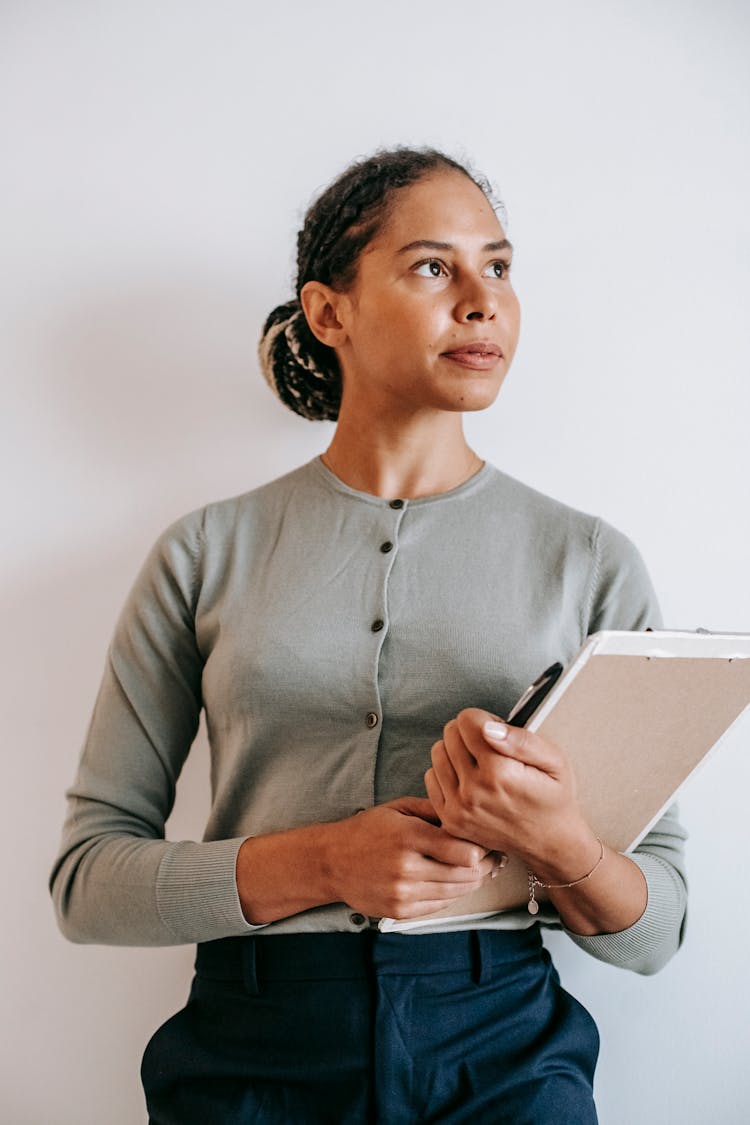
{"x": 386, "y": 547}
{"x": 396, "y": 504}
{"x": 377, "y": 625}
{"x": 372, "y": 719}
{"x": 357, "y": 919}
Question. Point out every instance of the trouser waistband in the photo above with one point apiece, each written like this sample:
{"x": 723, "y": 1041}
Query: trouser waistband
{"x": 335, "y": 956}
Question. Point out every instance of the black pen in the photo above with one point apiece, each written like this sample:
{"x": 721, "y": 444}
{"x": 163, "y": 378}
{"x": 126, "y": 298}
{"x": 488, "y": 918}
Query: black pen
{"x": 533, "y": 696}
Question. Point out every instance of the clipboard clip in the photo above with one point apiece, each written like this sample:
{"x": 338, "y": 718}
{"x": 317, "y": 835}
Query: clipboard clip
{"x": 703, "y": 632}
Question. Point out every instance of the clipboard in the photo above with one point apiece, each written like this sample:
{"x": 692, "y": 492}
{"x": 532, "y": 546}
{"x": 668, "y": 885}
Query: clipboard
{"x": 637, "y": 714}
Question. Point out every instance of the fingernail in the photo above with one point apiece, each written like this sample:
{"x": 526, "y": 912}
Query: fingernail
{"x": 496, "y": 732}
{"x": 501, "y": 860}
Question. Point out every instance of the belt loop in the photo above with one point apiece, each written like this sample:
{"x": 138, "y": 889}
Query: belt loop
{"x": 249, "y": 970}
{"x": 481, "y": 956}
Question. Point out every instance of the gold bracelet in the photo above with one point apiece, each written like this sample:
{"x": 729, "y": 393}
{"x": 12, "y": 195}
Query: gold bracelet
{"x": 533, "y": 906}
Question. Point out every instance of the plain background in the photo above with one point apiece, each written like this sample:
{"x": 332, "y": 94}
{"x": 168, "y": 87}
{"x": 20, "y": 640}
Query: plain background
{"x": 157, "y": 160}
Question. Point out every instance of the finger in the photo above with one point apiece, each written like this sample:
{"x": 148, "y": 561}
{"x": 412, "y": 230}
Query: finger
{"x": 424, "y": 907}
{"x": 444, "y": 770}
{"x": 434, "y": 791}
{"x": 429, "y": 895}
{"x": 523, "y": 745}
{"x": 459, "y": 752}
{"x": 430, "y": 871}
{"x": 417, "y": 806}
{"x": 437, "y": 844}
{"x": 479, "y": 729}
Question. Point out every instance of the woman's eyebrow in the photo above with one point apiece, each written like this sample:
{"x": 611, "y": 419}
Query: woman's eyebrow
{"x": 428, "y": 244}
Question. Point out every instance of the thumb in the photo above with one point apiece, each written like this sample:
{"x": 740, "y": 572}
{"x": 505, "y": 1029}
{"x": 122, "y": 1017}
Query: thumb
{"x": 524, "y": 745}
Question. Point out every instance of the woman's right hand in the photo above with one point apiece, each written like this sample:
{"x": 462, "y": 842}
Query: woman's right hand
{"x": 395, "y": 861}
{"x": 392, "y": 860}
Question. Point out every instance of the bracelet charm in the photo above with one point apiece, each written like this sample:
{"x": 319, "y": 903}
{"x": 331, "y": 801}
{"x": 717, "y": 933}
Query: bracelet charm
{"x": 533, "y": 906}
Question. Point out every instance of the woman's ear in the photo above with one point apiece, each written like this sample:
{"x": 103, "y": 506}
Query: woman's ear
{"x": 322, "y": 306}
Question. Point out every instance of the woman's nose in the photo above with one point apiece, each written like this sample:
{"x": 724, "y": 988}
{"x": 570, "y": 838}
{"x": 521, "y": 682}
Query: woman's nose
{"x": 476, "y": 301}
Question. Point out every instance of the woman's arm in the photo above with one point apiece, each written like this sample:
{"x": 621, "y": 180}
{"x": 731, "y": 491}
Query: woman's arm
{"x": 514, "y": 791}
{"x": 116, "y": 880}
{"x": 388, "y": 860}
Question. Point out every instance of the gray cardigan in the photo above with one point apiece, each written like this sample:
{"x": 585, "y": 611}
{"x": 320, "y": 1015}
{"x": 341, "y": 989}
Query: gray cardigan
{"x": 329, "y": 635}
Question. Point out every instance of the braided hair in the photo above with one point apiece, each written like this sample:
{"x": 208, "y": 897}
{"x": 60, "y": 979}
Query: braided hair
{"x": 302, "y": 371}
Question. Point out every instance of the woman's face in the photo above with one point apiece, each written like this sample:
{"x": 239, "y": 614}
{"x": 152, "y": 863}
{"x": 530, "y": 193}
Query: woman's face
{"x": 432, "y": 321}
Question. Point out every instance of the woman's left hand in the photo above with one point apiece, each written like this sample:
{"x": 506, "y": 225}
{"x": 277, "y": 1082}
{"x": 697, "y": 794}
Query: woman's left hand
{"x": 512, "y": 791}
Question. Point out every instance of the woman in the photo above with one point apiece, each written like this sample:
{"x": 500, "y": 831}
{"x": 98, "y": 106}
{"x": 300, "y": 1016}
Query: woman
{"x": 353, "y": 631}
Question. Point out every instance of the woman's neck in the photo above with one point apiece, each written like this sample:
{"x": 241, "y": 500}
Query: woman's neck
{"x": 417, "y": 458}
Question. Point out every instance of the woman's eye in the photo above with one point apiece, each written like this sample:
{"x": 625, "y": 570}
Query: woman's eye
{"x": 498, "y": 269}
{"x": 431, "y": 268}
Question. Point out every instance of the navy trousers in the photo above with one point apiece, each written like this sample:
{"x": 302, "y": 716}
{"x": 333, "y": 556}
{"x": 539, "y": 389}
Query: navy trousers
{"x": 353, "y": 1029}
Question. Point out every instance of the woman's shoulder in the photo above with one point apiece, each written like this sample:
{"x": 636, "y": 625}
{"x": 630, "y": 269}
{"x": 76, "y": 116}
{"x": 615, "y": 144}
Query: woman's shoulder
{"x": 201, "y": 546}
{"x": 219, "y": 518}
{"x": 512, "y": 498}
{"x": 570, "y": 538}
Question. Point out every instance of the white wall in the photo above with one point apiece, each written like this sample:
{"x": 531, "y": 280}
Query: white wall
{"x": 157, "y": 158}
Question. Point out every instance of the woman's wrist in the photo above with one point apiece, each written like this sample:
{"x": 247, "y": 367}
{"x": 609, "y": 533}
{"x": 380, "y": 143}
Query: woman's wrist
{"x": 612, "y": 899}
{"x": 283, "y": 873}
{"x": 568, "y": 858}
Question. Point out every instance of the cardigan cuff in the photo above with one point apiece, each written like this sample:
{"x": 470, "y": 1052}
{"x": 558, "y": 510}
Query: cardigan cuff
{"x": 647, "y": 945}
{"x": 196, "y": 891}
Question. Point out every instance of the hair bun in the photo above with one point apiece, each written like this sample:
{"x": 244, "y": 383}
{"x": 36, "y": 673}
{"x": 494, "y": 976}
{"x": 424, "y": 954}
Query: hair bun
{"x": 297, "y": 367}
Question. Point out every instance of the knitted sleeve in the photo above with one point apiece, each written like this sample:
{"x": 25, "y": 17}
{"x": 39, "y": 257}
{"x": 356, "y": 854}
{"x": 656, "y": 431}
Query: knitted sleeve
{"x": 621, "y": 596}
{"x": 116, "y": 880}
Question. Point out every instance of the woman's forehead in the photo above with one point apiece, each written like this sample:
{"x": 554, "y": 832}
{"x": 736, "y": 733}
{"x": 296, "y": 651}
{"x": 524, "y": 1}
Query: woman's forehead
{"x": 443, "y": 206}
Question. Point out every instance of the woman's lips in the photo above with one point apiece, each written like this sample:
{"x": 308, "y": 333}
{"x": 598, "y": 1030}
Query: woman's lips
{"x": 477, "y": 357}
